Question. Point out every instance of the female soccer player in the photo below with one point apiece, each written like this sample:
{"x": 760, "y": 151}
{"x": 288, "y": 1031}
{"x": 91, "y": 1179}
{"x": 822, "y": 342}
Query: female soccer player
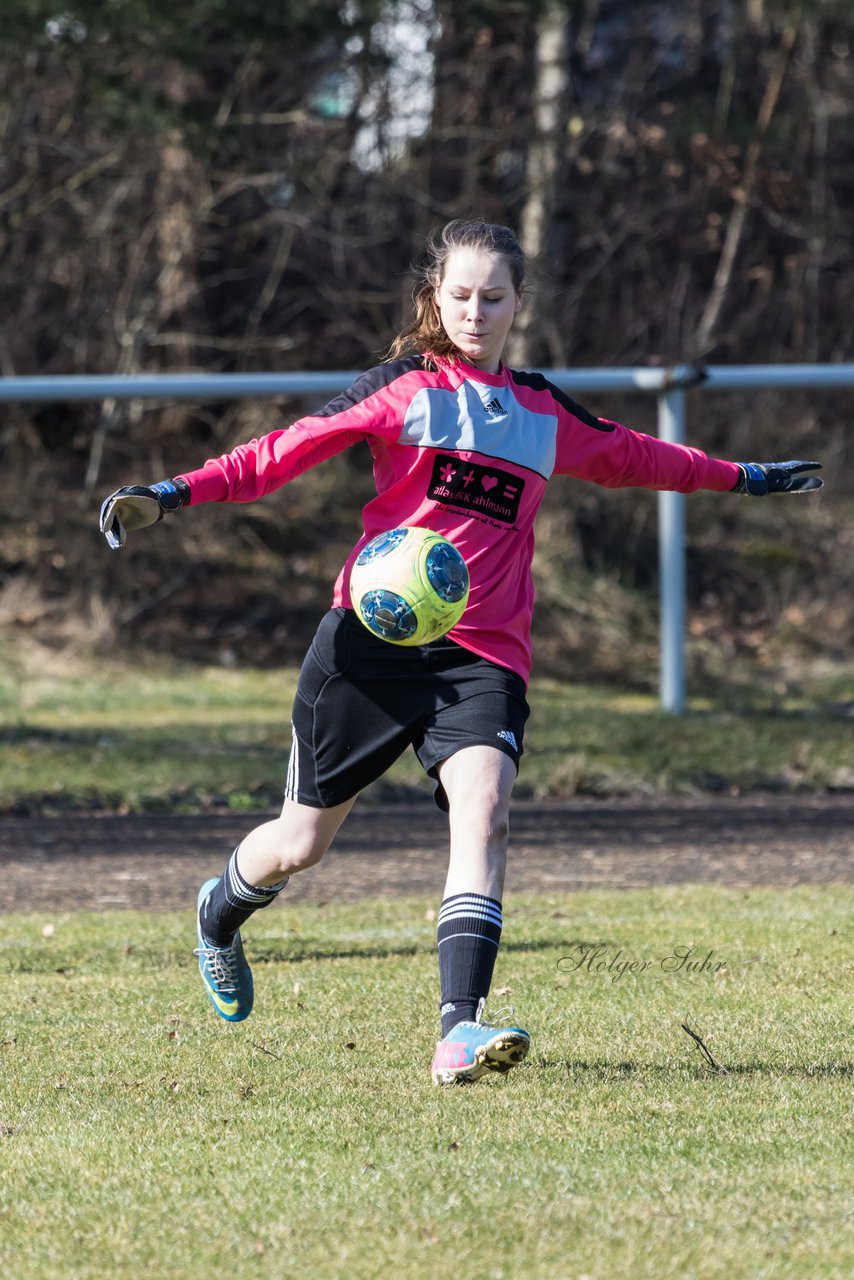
{"x": 462, "y": 445}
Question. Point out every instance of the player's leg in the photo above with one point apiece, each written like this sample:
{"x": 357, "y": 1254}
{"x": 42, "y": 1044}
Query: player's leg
{"x": 259, "y": 868}
{"x": 295, "y": 840}
{"x": 347, "y": 730}
{"x": 477, "y": 782}
{"x": 256, "y": 873}
{"x": 263, "y": 862}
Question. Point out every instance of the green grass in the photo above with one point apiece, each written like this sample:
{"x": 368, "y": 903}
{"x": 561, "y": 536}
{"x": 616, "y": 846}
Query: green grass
{"x": 142, "y": 738}
{"x": 82, "y": 735}
{"x": 141, "y": 1136}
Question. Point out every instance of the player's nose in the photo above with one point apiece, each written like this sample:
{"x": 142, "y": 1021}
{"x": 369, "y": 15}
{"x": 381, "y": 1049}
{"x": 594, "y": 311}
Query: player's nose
{"x": 474, "y": 308}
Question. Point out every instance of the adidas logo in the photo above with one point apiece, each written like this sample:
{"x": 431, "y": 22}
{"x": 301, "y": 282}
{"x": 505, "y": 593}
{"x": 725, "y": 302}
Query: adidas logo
{"x": 494, "y": 406}
{"x": 508, "y": 736}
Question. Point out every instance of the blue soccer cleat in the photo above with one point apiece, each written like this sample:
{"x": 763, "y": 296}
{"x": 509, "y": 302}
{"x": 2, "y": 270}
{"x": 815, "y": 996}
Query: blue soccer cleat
{"x": 474, "y": 1049}
{"x": 225, "y": 973}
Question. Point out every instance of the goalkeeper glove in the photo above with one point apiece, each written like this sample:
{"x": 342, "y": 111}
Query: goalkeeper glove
{"x": 137, "y": 505}
{"x": 761, "y": 478}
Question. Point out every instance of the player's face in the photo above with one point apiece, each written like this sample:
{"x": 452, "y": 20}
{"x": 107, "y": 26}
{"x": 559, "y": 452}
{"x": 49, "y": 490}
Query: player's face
{"x": 477, "y": 303}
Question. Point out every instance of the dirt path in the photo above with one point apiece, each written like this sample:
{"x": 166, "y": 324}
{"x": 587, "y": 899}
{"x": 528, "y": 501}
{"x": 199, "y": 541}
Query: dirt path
{"x": 91, "y": 862}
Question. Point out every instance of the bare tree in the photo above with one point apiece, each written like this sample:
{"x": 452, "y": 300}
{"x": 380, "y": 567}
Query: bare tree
{"x": 745, "y": 192}
{"x": 533, "y": 339}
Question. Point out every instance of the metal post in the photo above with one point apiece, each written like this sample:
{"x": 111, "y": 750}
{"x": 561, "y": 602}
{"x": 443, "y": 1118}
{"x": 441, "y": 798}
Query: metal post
{"x": 671, "y": 564}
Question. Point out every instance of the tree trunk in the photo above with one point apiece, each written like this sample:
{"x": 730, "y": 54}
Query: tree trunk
{"x": 545, "y": 171}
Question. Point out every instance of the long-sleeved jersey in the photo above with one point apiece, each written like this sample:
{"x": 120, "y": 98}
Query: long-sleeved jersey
{"x": 468, "y": 454}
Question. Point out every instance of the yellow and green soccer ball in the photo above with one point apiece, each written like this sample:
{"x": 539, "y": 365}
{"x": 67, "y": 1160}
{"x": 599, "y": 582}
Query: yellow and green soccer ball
{"x": 409, "y": 585}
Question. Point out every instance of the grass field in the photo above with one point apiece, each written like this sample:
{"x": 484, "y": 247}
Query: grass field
{"x": 140, "y": 1136}
{"x": 80, "y": 734}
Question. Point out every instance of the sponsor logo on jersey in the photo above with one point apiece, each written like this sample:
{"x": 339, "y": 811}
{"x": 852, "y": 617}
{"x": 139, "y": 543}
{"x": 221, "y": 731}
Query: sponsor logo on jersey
{"x": 509, "y": 736}
{"x": 488, "y": 491}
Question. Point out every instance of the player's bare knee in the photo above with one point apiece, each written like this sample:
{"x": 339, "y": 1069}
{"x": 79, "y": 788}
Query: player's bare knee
{"x": 308, "y": 858}
{"x": 488, "y": 826}
{"x": 493, "y": 821}
{"x": 295, "y": 851}
{"x": 498, "y": 832}
{"x": 292, "y": 860}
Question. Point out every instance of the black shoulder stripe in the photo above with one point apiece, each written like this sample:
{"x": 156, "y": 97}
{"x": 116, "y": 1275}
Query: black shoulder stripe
{"x": 541, "y": 383}
{"x": 369, "y": 382}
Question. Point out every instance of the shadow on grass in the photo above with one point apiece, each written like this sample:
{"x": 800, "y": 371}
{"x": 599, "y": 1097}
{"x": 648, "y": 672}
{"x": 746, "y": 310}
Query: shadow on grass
{"x": 263, "y": 955}
{"x": 607, "y": 1072}
{"x": 46, "y": 961}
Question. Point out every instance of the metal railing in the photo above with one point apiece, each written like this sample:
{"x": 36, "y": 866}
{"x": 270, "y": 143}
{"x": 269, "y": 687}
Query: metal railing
{"x": 669, "y": 386}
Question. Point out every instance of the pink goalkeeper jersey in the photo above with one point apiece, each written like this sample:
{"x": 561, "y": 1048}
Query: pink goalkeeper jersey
{"x": 468, "y": 454}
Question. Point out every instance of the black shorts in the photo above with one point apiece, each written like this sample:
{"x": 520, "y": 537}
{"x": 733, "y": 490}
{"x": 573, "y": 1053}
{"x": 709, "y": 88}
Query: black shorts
{"x": 361, "y": 702}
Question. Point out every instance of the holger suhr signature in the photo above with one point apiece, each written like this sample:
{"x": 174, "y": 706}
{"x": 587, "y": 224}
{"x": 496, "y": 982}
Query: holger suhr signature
{"x": 598, "y": 958}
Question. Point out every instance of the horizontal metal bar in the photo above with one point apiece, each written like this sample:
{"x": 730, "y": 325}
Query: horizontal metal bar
{"x": 707, "y": 377}
{"x": 625, "y": 379}
{"x": 231, "y": 386}
{"x": 172, "y": 386}
{"x": 733, "y": 377}
{"x": 228, "y": 386}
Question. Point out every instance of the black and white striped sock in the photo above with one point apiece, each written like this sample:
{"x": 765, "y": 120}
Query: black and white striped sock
{"x": 469, "y": 932}
{"x": 231, "y": 902}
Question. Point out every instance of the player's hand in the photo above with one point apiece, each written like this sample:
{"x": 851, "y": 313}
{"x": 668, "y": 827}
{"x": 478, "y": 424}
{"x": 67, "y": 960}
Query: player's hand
{"x": 759, "y": 478}
{"x": 137, "y": 505}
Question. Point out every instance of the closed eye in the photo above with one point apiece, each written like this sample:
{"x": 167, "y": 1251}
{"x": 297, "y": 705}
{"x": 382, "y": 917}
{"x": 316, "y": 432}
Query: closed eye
{"x": 461, "y": 297}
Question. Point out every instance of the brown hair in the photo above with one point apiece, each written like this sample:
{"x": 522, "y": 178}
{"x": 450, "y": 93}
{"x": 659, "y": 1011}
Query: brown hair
{"x": 426, "y": 333}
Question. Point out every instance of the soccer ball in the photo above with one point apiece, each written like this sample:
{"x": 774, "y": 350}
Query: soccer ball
{"x": 409, "y": 585}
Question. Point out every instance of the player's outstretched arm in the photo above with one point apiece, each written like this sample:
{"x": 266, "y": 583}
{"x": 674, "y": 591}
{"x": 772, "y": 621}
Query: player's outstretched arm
{"x": 138, "y": 505}
{"x": 760, "y": 478}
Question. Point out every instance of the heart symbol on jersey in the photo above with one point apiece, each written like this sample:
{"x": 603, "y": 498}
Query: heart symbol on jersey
{"x": 488, "y": 482}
